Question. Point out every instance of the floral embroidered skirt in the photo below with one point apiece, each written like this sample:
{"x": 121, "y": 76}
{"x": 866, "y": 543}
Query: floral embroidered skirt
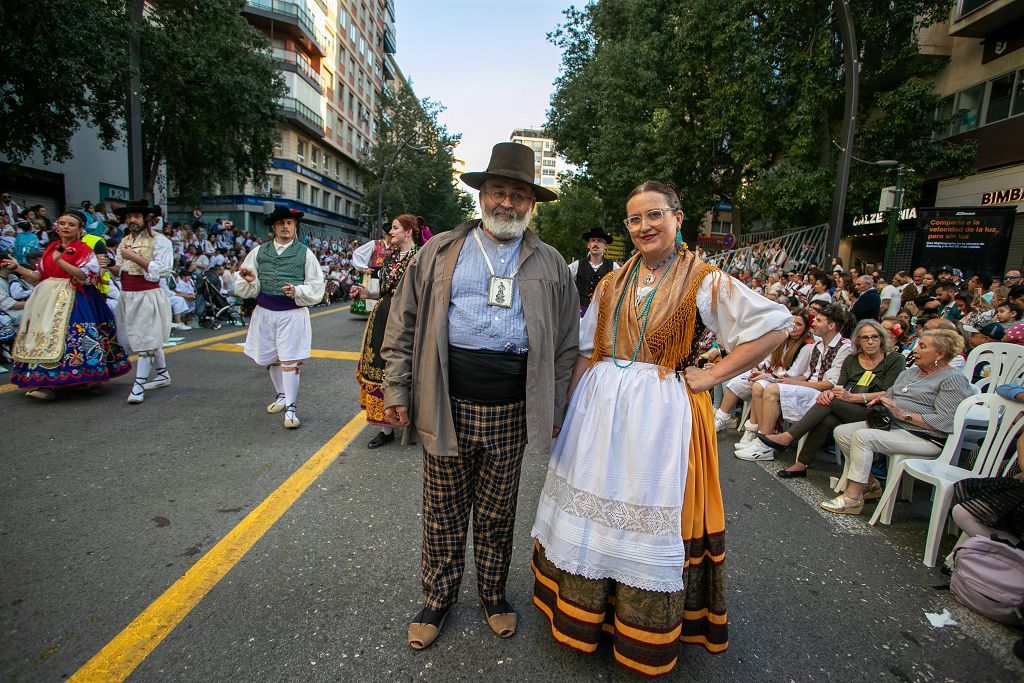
{"x": 91, "y": 350}
{"x": 370, "y": 371}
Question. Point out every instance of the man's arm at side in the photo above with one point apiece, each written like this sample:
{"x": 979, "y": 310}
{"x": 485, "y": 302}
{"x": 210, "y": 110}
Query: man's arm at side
{"x": 566, "y": 347}
{"x": 397, "y": 347}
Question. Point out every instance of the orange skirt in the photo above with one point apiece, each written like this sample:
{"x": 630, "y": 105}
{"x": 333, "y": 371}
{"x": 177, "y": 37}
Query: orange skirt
{"x": 644, "y": 626}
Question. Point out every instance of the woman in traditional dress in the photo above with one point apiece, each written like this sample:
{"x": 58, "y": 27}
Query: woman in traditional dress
{"x": 67, "y": 335}
{"x": 406, "y": 240}
{"x": 368, "y": 259}
{"x": 630, "y": 525}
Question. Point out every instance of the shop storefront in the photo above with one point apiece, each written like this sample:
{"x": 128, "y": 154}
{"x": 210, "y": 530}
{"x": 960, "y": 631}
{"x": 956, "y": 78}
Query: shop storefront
{"x": 998, "y": 188}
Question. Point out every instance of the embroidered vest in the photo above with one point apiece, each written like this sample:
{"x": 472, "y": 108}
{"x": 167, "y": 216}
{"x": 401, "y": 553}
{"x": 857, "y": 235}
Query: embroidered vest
{"x": 825, "y": 363}
{"x": 587, "y": 278}
{"x": 143, "y": 244}
{"x": 276, "y": 270}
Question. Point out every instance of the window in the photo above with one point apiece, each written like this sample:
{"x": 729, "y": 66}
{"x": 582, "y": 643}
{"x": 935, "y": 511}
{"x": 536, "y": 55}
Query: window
{"x": 549, "y": 162}
{"x": 300, "y": 190}
{"x": 278, "y": 143}
{"x": 348, "y": 207}
{"x": 1017, "y": 107}
{"x": 326, "y": 163}
{"x": 276, "y": 185}
{"x": 337, "y": 204}
{"x": 327, "y": 200}
{"x": 1000, "y": 95}
{"x": 549, "y": 171}
{"x": 944, "y": 114}
{"x": 314, "y": 156}
{"x": 968, "y": 109}
{"x": 337, "y": 169}
{"x": 990, "y": 102}
{"x": 300, "y": 150}
{"x": 314, "y": 195}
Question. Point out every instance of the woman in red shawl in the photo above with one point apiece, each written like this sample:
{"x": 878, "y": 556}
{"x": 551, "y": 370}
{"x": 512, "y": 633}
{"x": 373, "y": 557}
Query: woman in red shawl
{"x": 67, "y": 335}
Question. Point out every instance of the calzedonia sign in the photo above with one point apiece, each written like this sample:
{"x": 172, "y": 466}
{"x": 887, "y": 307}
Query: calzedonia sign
{"x": 972, "y": 239}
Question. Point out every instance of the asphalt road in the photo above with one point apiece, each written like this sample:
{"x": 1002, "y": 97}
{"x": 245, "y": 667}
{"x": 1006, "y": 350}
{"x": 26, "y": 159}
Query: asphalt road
{"x": 106, "y": 506}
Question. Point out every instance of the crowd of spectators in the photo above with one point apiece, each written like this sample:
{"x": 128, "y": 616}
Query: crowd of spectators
{"x": 207, "y": 257}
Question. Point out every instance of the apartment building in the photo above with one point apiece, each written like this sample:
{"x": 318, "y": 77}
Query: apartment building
{"x": 334, "y": 56}
{"x": 547, "y": 165}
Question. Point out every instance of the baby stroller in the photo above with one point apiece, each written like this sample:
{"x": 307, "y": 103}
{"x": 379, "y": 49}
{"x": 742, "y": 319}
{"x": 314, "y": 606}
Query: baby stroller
{"x": 213, "y": 309}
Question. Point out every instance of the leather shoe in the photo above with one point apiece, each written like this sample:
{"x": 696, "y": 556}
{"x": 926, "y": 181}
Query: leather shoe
{"x": 501, "y": 618}
{"x": 791, "y": 474}
{"x": 381, "y": 439}
{"x": 768, "y": 442}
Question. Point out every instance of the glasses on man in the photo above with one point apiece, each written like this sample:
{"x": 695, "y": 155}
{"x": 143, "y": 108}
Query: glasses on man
{"x": 500, "y": 196}
{"x": 653, "y": 216}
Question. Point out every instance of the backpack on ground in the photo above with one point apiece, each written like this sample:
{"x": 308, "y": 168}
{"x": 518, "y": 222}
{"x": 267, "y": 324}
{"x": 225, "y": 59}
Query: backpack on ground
{"x": 988, "y": 577}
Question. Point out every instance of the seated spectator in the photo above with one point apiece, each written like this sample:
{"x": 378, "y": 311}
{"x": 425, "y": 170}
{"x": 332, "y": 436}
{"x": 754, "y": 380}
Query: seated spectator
{"x": 890, "y": 296}
{"x": 791, "y": 358}
{"x": 9, "y": 304}
{"x": 871, "y": 368}
{"x": 820, "y": 292}
{"x": 25, "y": 242}
{"x": 792, "y": 397}
{"x": 897, "y": 333}
{"x": 868, "y": 301}
{"x": 1016, "y": 296}
{"x": 185, "y": 293}
{"x": 983, "y": 335}
{"x": 922, "y": 403}
{"x": 1008, "y": 315}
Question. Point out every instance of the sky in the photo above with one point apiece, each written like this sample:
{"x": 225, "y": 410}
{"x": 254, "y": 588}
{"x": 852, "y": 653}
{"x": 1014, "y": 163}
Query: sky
{"x": 489, "y": 63}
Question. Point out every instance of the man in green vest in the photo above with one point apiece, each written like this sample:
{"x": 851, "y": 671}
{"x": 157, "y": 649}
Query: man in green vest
{"x": 284, "y": 277}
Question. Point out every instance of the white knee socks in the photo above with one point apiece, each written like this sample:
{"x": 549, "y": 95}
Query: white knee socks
{"x": 275, "y": 377}
{"x": 290, "y": 388}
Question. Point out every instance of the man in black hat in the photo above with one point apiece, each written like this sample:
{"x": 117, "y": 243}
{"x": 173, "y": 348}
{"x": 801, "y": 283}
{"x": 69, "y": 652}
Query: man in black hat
{"x": 144, "y": 258}
{"x": 587, "y": 278}
{"x": 284, "y": 277}
{"x": 487, "y": 314}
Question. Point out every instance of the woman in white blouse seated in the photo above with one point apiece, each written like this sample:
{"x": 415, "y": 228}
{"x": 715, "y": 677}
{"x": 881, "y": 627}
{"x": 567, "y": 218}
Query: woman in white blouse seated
{"x": 791, "y": 358}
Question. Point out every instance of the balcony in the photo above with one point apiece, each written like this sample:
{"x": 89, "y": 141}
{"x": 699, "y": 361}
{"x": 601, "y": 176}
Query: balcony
{"x": 389, "y": 42}
{"x": 301, "y": 116}
{"x": 286, "y": 17}
{"x": 291, "y": 61}
{"x": 979, "y": 18}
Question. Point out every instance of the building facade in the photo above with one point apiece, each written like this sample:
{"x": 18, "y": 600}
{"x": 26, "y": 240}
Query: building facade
{"x": 334, "y": 56}
{"x": 547, "y": 165}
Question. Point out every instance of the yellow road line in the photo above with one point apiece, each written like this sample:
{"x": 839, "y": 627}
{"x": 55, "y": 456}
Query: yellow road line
{"x": 122, "y": 655}
{"x": 314, "y": 353}
{"x": 197, "y": 343}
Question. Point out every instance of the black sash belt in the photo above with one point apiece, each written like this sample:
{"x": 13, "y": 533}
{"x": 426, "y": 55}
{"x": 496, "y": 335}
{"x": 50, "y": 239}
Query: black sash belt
{"x": 484, "y": 376}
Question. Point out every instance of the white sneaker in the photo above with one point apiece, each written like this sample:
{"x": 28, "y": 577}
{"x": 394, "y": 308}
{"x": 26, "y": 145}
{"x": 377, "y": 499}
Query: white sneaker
{"x": 721, "y": 421}
{"x": 749, "y": 436}
{"x": 180, "y": 326}
{"x": 757, "y": 451}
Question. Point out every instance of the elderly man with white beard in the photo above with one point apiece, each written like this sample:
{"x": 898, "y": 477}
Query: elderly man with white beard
{"x": 486, "y": 315}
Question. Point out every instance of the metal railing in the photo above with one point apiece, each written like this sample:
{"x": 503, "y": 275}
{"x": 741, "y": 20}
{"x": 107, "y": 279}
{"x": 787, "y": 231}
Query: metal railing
{"x": 293, "y": 106}
{"x": 301, "y": 65}
{"x": 780, "y": 250}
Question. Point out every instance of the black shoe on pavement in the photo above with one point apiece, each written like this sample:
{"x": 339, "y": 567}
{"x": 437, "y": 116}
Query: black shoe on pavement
{"x": 380, "y": 440}
{"x": 791, "y": 474}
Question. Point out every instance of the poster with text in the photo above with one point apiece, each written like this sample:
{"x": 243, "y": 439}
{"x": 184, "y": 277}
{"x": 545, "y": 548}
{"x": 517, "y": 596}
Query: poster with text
{"x": 972, "y": 239}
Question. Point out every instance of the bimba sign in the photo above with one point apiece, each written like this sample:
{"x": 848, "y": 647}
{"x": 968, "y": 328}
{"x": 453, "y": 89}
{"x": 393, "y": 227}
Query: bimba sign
{"x": 1009, "y": 195}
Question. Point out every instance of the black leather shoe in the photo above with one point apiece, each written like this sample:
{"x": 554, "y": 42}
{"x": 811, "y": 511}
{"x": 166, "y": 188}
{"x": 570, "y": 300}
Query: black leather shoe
{"x": 795, "y": 474}
{"x": 768, "y": 442}
{"x": 381, "y": 439}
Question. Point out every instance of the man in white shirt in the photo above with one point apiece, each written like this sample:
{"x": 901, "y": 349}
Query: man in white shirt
{"x": 891, "y": 299}
{"x": 587, "y": 278}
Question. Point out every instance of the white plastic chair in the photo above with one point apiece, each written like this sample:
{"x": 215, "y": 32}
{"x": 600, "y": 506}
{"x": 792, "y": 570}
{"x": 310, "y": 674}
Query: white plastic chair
{"x": 1006, "y": 416}
{"x": 744, "y": 416}
{"x": 1006, "y": 366}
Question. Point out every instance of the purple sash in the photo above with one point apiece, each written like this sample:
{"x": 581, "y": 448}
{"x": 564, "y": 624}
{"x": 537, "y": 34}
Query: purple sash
{"x": 275, "y": 302}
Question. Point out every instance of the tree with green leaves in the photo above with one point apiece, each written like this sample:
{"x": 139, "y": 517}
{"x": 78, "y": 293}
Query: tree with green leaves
{"x": 65, "y": 64}
{"x": 420, "y": 153}
{"x": 210, "y": 86}
{"x": 742, "y": 99}
{"x": 578, "y": 209}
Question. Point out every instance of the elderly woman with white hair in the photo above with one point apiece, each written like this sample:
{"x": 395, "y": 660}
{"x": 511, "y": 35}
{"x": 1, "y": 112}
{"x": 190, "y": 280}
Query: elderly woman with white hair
{"x": 922, "y": 404}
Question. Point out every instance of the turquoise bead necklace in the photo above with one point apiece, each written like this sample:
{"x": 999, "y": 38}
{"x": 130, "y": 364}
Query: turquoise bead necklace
{"x": 645, "y": 310}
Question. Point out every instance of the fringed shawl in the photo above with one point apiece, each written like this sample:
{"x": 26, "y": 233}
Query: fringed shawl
{"x": 669, "y": 337}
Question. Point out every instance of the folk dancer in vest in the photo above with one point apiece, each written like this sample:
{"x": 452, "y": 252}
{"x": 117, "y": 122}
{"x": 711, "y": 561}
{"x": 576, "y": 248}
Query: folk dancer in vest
{"x": 587, "y": 278}
{"x": 483, "y": 318}
{"x": 143, "y": 259}
{"x": 284, "y": 277}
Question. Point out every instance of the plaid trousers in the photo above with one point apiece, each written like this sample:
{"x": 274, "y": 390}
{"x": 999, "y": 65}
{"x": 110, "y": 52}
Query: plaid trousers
{"x": 484, "y": 480}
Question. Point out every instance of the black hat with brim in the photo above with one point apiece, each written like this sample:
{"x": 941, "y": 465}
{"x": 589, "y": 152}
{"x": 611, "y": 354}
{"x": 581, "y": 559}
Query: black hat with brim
{"x": 280, "y": 213}
{"x": 510, "y": 161}
{"x": 599, "y": 234}
{"x": 140, "y": 206}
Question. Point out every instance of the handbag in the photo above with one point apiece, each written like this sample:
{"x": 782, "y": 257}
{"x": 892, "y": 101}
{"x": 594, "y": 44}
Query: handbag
{"x": 879, "y": 417}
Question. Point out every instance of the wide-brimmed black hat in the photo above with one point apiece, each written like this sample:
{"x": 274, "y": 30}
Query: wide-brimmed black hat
{"x": 137, "y": 206}
{"x": 281, "y": 212}
{"x": 513, "y": 161}
{"x": 600, "y": 234}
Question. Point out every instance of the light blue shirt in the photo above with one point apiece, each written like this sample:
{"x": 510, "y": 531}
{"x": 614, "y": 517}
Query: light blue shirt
{"x": 472, "y": 324}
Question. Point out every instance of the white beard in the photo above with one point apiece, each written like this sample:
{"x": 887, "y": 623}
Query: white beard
{"x": 506, "y": 228}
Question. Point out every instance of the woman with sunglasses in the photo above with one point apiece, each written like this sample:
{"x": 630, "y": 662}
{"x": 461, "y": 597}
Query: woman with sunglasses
{"x": 67, "y": 335}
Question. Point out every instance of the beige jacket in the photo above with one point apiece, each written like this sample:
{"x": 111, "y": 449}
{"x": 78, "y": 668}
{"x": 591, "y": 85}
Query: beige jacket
{"x": 415, "y": 346}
